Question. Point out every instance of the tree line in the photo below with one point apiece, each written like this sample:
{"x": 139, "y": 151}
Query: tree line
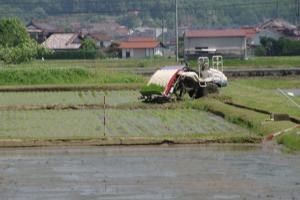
{"x": 193, "y": 13}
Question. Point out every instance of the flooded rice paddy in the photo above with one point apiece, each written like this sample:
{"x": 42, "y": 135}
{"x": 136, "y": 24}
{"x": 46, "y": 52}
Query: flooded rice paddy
{"x": 149, "y": 173}
{"x": 78, "y": 97}
{"x": 88, "y": 124}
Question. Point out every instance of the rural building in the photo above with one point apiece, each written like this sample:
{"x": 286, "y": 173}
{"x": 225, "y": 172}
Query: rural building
{"x": 269, "y": 33}
{"x": 64, "y": 42}
{"x": 102, "y": 40}
{"x": 275, "y": 29}
{"x": 121, "y": 33}
{"x": 280, "y": 26}
{"x": 140, "y": 48}
{"x": 227, "y": 42}
{"x": 40, "y": 31}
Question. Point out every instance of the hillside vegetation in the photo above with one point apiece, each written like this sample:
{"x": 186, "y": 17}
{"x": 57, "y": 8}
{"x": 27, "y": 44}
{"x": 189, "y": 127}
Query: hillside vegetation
{"x": 196, "y": 13}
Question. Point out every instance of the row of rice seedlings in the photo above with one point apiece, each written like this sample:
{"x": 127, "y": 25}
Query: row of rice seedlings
{"x": 48, "y": 124}
{"x": 126, "y": 120}
{"x": 89, "y": 123}
{"x": 167, "y": 122}
{"x": 80, "y": 97}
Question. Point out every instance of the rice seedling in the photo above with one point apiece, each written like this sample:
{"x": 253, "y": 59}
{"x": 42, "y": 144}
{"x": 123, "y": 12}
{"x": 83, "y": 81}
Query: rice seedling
{"x": 49, "y": 98}
{"x": 88, "y": 124}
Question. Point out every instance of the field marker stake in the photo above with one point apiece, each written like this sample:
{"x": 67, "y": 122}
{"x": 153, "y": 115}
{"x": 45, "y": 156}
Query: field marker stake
{"x": 104, "y": 108}
{"x": 271, "y": 136}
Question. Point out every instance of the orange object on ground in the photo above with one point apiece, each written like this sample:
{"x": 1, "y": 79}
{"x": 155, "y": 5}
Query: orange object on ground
{"x": 271, "y": 136}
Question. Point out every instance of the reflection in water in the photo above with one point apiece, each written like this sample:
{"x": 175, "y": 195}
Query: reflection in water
{"x": 175, "y": 172}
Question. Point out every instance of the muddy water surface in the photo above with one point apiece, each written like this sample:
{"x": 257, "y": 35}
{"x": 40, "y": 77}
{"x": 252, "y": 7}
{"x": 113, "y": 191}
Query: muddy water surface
{"x": 178, "y": 172}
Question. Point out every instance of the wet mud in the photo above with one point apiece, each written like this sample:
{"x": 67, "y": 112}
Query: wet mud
{"x": 166, "y": 172}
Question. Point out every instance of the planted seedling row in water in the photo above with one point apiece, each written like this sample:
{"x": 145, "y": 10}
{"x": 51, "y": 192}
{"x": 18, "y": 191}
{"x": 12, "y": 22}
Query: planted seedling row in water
{"x": 80, "y": 97}
{"x": 88, "y": 124}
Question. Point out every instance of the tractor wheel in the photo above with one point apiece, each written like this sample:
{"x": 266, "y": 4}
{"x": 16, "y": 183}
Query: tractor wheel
{"x": 209, "y": 89}
{"x": 201, "y": 92}
{"x": 212, "y": 88}
{"x": 192, "y": 93}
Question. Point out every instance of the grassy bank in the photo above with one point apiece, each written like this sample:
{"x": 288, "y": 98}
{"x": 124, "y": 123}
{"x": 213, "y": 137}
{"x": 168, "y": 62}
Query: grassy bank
{"x": 291, "y": 141}
{"x": 260, "y": 62}
{"x": 255, "y": 122}
{"x": 256, "y": 62}
{"x": 50, "y": 76}
{"x": 283, "y": 61}
{"x": 96, "y": 63}
{"x": 262, "y": 94}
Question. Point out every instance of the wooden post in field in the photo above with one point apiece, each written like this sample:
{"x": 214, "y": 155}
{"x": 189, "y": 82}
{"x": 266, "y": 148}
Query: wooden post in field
{"x": 104, "y": 120}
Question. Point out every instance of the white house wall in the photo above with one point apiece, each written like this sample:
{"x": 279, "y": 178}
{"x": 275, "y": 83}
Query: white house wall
{"x": 265, "y": 33}
{"x": 220, "y": 42}
{"x": 235, "y": 46}
{"x": 107, "y": 43}
{"x": 158, "y": 52}
{"x": 140, "y": 53}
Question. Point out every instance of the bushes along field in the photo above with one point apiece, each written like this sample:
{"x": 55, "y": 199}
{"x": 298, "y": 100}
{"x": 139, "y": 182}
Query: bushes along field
{"x": 45, "y": 76}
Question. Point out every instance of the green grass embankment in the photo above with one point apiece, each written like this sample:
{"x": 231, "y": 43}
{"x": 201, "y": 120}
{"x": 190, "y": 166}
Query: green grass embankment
{"x": 57, "y": 76}
{"x": 255, "y": 122}
{"x": 256, "y": 62}
{"x": 260, "y": 62}
{"x": 262, "y": 94}
{"x": 96, "y": 63}
{"x": 291, "y": 141}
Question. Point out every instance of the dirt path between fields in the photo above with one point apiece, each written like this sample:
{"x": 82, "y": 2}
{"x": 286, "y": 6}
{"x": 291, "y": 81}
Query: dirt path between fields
{"x": 129, "y": 141}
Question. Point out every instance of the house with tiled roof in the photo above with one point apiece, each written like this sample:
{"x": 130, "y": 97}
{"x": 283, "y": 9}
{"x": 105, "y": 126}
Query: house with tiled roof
{"x": 63, "y": 42}
{"x": 40, "y": 30}
{"x": 275, "y": 29}
{"x": 226, "y": 42}
{"x": 102, "y": 40}
{"x": 141, "y": 47}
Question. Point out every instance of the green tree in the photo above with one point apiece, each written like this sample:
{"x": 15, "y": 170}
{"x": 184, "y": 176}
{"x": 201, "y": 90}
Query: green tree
{"x": 89, "y": 44}
{"x": 113, "y": 51}
{"x": 89, "y": 49}
{"x": 12, "y": 33}
{"x": 16, "y": 46}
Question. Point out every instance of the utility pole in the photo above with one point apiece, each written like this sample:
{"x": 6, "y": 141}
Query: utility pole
{"x": 176, "y": 27}
{"x": 298, "y": 14}
{"x": 163, "y": 29}
{"x": 277, "y": 8}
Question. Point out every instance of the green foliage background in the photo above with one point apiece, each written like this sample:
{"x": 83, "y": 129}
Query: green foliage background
{"x": 16, "y": 46}
{"x": 199, "y": 13}
{"x": 281, "y": 47}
